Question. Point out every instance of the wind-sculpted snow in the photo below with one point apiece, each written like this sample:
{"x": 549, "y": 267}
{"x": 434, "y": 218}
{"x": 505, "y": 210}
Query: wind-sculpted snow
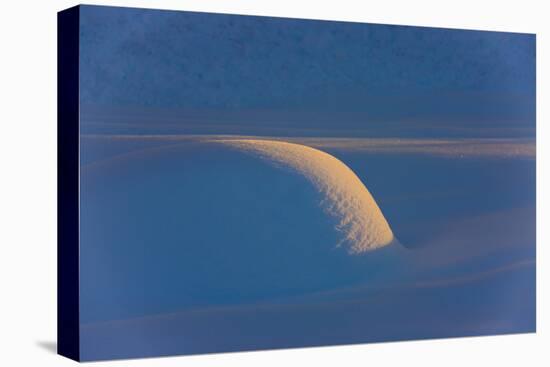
{"x": 345, "y": 197}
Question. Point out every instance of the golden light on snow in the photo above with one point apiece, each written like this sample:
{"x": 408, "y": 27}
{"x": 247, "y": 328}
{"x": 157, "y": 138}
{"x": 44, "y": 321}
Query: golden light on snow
{"x": 345, "y": 197}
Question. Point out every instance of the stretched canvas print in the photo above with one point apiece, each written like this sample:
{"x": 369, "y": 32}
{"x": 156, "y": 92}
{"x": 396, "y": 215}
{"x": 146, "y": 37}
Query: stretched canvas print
{"x": 231, "y": 183}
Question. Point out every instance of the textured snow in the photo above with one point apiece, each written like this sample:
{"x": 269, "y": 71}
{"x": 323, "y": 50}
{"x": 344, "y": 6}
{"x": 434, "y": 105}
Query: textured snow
{"x": 345, "y": 197}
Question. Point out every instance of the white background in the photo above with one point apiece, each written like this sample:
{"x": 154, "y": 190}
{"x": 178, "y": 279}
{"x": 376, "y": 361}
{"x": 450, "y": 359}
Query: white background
{"x": 28, "y": 183}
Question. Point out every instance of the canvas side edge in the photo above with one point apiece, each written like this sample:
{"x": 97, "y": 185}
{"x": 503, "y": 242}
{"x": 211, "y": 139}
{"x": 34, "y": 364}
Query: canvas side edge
{"x": 68, "y": 336}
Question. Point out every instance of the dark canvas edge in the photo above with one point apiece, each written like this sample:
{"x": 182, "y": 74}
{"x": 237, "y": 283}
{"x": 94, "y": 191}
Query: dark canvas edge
{"x": 68, "y": 336}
